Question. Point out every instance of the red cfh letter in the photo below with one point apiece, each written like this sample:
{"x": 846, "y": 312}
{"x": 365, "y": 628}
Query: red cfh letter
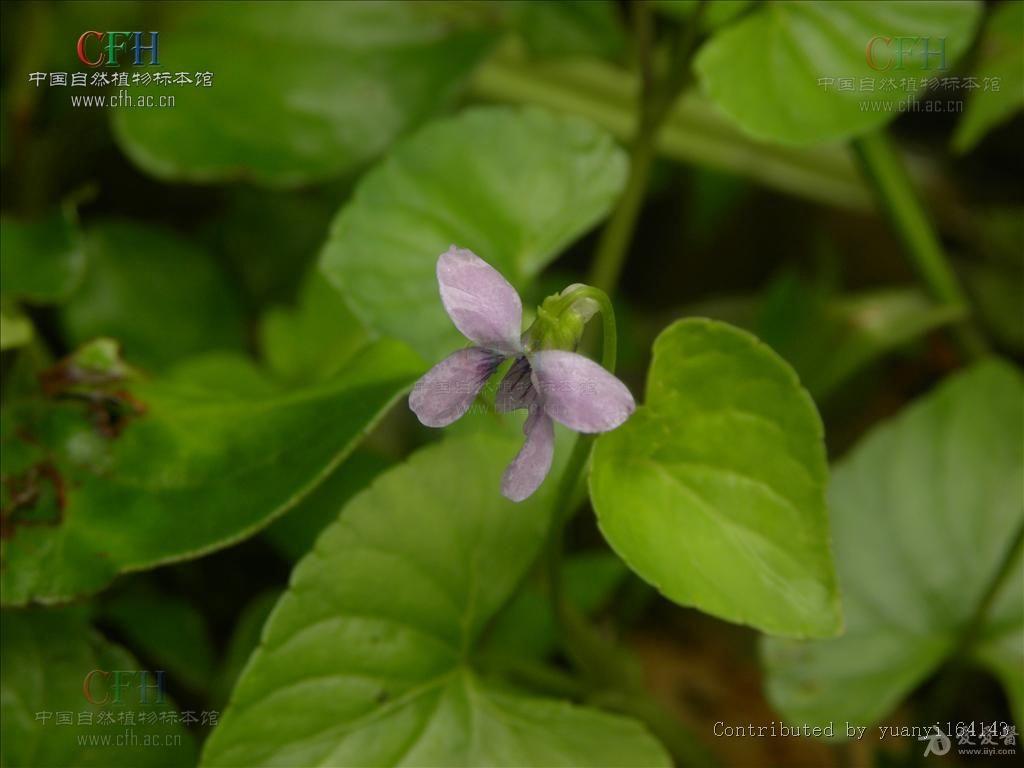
{"x": 87, "y": 687}
{"x": 869, "y": 53}
{"x": 81, "y": 49}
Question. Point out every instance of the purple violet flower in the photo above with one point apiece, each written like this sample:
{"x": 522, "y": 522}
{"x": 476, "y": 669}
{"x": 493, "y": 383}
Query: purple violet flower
{"x": 553, "y": 384}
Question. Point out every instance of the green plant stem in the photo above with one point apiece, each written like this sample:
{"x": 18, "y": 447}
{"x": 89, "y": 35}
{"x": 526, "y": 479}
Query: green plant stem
{"x": 573, "y": 474}
{"x": 619, "y": 230}
{"x": 567, "y": 484}
{"x": 655, "y": 104}
{"x": 599, "y": 660}
{"x": 896, "y": 198}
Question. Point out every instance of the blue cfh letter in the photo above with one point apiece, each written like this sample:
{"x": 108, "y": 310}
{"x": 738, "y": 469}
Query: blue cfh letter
{"x": 152, "y": 48}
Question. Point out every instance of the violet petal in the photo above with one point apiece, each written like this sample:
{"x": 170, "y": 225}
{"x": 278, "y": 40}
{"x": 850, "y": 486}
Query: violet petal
{"x": 533, "y": 462}
{"x": 446, "y": 391}
{"x": 483, "y": 305}
{"x": 579, "y": 393}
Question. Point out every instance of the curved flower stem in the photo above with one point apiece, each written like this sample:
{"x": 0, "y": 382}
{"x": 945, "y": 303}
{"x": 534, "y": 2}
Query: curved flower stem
{"x": 896, "y": 198}
{"x": 607, "y": 671}
{"x": 574, "y": 473}
{"x": 609, "y": 335}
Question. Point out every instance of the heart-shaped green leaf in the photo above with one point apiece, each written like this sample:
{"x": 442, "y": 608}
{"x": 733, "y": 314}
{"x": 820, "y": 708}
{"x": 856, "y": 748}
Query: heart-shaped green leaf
{"x": 801, "y": 72}
{"x": 299, "y": 91}
{"x": 513, "y": 186}
{"x": 923, "y": 512}
{"x": 714, "y": 490}
{"x": 47, "y": 659}
{"x": 168, "y": 471}
{"x": 367, "y": 660}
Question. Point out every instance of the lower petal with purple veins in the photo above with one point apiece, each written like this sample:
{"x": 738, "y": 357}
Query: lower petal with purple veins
{"x": 448, "y": 389}
{"x": 516, "y": 389}
{"x": 533, "y": 462}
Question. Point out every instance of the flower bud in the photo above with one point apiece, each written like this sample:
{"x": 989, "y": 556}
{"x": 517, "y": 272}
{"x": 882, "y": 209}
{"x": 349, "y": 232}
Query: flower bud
{"x": 560, "y": 321}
